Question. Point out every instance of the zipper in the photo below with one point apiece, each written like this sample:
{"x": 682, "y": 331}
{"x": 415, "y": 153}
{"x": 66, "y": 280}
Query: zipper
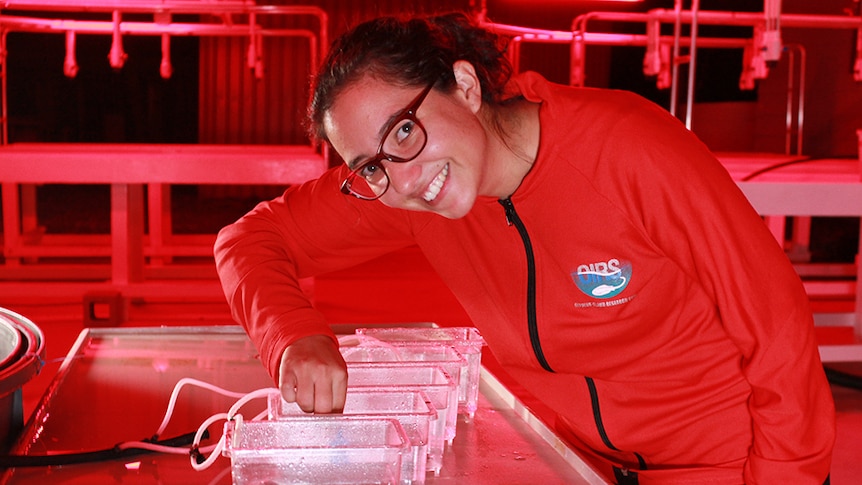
{"x": 513, "y": 220}
{"x": 600, "y": 425}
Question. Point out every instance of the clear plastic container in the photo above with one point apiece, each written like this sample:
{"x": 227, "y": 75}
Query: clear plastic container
{"x": 316, "y": 449}
{"x": 431, "y": 379}
{"x": 467, "y": 341}
{"x": 411, "y": 407}
{"x": 427, "y": 353}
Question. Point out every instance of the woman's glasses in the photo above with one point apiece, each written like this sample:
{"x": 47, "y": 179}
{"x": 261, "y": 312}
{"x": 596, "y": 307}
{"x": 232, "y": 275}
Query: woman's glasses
{"x": 403, "y": 141}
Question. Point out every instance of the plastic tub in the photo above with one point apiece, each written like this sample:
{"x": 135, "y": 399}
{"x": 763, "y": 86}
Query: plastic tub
{"x": 410, "y": 407}
{"x": 440, "y": 389}
{"x": 324, "y": 450}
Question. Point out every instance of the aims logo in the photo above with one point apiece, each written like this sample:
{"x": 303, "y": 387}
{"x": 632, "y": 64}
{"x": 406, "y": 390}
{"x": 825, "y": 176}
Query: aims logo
{"x": 603, "y": 279}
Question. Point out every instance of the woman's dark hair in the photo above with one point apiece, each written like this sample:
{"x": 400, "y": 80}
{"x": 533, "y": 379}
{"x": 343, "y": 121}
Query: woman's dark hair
{"x": 409, "y": 52}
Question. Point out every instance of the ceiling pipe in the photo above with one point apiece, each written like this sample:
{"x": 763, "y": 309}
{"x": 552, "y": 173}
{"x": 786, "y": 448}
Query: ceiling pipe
{"x": 70, "y": 63}
{"x": 166, "y": 70}
{"x": 141, "y": 6}
{"x": 117, "y": 57}
{"x": 528, "y": 35}
{"x": 18, "y": 24}
{"x": 692, "y": 63}
{"x": 222, "y": 8}
{"x": 513, "y": 52}
{"x": 771, "y": 37}
{"x": 795, "y": 50}
{"x": 578, "y": 42}
{"x": 254, "y": 57}
{"x": 709, "y": 17}
{"x": 677, "y": 36}
{"x": 750, "y": 19}
{"x": 652, "y": 59}
{"x": 577, "y": 72}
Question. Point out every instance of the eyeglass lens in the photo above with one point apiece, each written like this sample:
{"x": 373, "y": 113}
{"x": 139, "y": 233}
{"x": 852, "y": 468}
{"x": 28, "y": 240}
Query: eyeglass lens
{"x": 403, "y": 143}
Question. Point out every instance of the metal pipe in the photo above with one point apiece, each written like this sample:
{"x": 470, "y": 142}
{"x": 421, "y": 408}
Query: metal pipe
{"x": 13, "y": 22}
{"x": 772, "y": 33}
{"x": 598, "y": 38}
{"x": 579, "y": 24}
{"x": 750, "y": 19}
{"x": 652, "y": 63}
{"x": 117, "y": 56}
{"x": 692, "y": 63}
{"x": 166, "y": 70}
{"x": 175, "y": 6}
{"x": 577, "y": 62}
{"x": 251, "y": 55}
{"x": 713, "y": 17}
{"x": 674, "y": 58}
{"x": 139, "y": 28}
{"x": 705, "y": 17}
{"x": 513, "y": 52}
{"x": 793, "y": 50}
{"x": 70, "y": 64}
{"x": 800, "y": 105}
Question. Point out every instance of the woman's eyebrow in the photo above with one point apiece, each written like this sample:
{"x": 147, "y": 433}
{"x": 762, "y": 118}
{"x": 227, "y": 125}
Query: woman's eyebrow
{"x": 384, "y": 130}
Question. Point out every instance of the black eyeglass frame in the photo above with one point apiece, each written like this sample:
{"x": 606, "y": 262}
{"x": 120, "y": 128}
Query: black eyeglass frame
{"x": 408, "y": 113}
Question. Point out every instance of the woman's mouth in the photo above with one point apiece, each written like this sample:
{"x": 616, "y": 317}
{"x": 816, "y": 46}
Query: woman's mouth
{"x": 436, "y": 185}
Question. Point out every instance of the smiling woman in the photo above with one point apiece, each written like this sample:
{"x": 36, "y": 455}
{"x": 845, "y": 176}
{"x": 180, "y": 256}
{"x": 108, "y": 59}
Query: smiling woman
{"x": 605, "y": 255}
{"x": 447, "y": 114}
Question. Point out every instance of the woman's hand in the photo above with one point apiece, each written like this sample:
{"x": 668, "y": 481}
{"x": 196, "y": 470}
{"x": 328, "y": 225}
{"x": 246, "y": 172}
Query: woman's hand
{"x": 313, "y": 375}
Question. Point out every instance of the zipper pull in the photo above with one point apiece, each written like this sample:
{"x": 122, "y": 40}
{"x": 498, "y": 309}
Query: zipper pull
{"x": 509, "y": 207}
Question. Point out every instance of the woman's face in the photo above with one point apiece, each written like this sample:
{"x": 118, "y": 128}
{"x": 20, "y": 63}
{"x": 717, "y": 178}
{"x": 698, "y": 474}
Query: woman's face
{"x": 446, "y": 176}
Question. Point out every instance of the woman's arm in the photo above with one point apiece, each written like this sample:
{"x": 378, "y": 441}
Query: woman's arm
{"x": 261, "y": 258}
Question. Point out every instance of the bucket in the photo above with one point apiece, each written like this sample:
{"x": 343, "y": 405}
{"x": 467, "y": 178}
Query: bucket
{"x": 22, "y": 351}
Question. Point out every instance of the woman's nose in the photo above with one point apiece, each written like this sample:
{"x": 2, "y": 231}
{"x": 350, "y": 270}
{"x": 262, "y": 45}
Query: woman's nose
{"x": 403, "y": 177}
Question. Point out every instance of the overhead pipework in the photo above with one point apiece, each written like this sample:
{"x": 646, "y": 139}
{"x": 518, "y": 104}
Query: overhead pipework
{"x": 662, "y": 57}
{"x": 219, "y": 18}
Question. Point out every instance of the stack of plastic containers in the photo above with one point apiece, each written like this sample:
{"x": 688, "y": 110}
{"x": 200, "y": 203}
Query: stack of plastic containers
{"x": 466, "y": 341}
{"x": 406, "y": 387}
{"x": 442, "y": 356}
{"x": 456, "y": 351}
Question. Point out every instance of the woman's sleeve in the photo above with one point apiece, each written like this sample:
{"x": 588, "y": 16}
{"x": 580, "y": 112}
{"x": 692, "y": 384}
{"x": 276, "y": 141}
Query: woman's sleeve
{"x": 311, "y": 229}
{"x": 696, "y": 214}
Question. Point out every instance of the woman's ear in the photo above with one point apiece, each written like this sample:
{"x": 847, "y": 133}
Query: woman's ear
{"x": 467, "y": 84}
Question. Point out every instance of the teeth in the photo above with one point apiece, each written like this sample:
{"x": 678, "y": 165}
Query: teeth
{"x": 436, "y": 185}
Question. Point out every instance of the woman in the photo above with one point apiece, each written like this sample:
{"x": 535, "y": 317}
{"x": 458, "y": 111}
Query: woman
{"x": 609, "y": 261}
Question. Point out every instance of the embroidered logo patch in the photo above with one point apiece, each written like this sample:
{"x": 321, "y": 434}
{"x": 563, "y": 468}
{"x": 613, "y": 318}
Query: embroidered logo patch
{"x": 603, "y": 279}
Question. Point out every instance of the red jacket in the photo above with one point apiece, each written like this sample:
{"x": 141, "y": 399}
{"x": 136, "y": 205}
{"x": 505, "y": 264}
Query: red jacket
{"x": 631, "y": 288}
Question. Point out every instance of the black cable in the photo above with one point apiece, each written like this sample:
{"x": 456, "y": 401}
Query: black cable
{"x": 15, "y": 461}
{"x": 843, "y": 379}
